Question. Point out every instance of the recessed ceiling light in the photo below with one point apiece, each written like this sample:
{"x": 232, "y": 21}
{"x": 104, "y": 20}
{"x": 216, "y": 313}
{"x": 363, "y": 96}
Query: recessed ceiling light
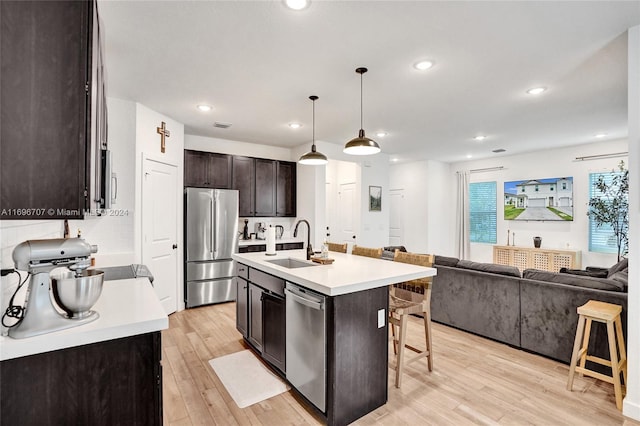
{"x": 423, "y": 65}
{"x": 297, "y": 4}
{"x": 536, "y": 90}
{"x": 295, "y": 125}
{"x": 480, "y": 138}
{"x": 601, "y": 135}
{"x": 395, "y": 160}
{"x": 469, "y": 156}
{"x": 381, "y": 134}
{"x": 204, "y": 108}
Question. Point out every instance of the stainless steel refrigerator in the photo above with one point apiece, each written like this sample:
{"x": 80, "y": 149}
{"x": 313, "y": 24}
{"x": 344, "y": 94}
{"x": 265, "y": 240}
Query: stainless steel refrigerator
{"x": 211, "y": 236}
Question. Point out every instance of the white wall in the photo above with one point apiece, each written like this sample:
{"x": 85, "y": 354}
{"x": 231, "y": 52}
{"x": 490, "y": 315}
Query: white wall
{"x": 631, "y": 405}
{"x": 370, "y": 170}
{"x": 148, "y": 146}
{"x": 113, "y": 234}
{"x": 573, "y": 235}
{"x": 426, "y": 217}
{"x": 225, "y": 146}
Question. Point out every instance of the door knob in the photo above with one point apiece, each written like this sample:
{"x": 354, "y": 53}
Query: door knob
{"x": 175, "y": 246}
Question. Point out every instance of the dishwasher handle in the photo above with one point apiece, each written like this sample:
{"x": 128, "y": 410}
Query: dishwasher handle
{"x": 318, "y": 306}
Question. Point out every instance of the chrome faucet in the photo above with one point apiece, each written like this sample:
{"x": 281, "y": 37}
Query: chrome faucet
{"x": 295, "y": 234}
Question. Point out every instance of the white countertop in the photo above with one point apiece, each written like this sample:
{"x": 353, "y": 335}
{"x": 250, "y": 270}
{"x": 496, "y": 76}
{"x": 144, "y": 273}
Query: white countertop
{"x": 126, "y": 307}
{"x": 278, "y": 241}
{"x": 347, "y": 274}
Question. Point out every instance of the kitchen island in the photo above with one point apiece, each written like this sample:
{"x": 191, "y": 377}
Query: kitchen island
{"x": 352, "y": 292}
{"x": 105, "y": 372}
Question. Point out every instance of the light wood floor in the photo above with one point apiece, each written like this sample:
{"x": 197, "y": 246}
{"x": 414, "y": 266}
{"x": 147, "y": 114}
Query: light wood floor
{"x": 475, "y": 381}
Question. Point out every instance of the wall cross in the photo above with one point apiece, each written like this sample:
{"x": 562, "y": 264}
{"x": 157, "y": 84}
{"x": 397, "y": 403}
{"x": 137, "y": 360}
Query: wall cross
{"x": 164, "y": 133}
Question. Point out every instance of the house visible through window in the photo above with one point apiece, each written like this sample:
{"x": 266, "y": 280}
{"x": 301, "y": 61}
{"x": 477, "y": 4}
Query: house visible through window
{"x": 483, "y": 212}
{"x": 601, "y": 239}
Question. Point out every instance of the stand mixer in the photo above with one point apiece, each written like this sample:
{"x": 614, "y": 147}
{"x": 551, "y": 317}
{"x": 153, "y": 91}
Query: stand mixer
{"x": 74, "y": 292}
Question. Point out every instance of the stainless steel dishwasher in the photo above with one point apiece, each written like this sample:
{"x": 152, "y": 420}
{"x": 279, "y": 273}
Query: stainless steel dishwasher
{"x": 306, "y": 343}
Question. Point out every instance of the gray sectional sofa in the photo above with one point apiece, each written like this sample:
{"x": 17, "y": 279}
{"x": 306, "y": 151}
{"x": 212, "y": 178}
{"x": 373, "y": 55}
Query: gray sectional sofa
{"x": 535, "y": 311}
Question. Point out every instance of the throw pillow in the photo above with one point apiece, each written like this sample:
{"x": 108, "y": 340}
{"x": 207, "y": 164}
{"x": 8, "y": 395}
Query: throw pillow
{"x": 620, "y": 266}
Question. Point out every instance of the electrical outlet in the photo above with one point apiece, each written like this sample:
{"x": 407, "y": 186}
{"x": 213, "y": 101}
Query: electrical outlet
{"x": 382, "y": 318}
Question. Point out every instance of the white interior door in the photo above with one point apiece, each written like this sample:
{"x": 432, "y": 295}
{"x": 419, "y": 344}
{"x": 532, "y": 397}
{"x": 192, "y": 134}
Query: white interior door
{"x": 330, "y": 212}
{"x": 396, "y": 219}
{"x": 159, "y": 229}
{"x": 346, "y": 213}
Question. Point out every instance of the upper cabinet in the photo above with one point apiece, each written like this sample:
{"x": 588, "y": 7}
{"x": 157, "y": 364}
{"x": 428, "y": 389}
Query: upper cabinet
{"x": 207, "y": 169}
{"x": 244, "y": 180}
{"x": 48, "y": 95}
{"x": 286, "y": 189}
{"x": 265, "y": 187}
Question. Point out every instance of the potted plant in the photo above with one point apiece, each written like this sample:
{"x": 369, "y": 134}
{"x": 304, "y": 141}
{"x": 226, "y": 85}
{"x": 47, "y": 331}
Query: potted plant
{"x": 611, "y": 207}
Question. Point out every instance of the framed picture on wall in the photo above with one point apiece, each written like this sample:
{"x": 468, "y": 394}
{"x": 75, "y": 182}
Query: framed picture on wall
{"x": 375, "y": 198}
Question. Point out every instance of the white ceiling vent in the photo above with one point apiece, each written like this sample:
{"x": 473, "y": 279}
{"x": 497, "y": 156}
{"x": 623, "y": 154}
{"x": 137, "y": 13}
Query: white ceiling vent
{"x": 221, "y": 125}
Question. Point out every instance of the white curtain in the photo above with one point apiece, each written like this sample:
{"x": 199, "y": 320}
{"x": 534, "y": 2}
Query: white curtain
{"x": 463, "y": 246}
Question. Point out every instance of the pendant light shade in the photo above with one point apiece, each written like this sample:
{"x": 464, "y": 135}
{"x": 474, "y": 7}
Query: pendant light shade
{"x": 361, "y": 145}
{"x": 313, "y": 157}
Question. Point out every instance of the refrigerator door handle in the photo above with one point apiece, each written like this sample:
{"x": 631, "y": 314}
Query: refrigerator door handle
{"x": 212, "y": 214}
{"x": 215, "y": 214}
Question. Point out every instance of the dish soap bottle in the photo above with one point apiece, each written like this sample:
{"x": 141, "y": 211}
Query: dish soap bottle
{"x": 325, "y": 250}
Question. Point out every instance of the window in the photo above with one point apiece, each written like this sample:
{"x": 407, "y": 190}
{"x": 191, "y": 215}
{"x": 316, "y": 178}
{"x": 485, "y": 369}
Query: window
{"x": 601, "y": 239}
{"x": 483, "y": 202}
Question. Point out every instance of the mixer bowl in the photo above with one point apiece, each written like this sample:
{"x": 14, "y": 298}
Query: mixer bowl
{"x": 77, "y": 294}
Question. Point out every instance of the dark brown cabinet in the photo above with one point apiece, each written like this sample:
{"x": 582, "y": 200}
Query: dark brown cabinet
{"x": 286, "y": 189}
{"x": 255, "y": 316}
{"x": 273, "y": 330}
{"x": 207, "y": 169}
{"x": 45, "y": 108}
{"x": 263, "y": 247}
{"x": 265, "y": 187}
{"x": 244, "y": 180}
{"x": 266, "y": 316}
{"x": 116, "y": 382}
{"x": 242, "y": 314}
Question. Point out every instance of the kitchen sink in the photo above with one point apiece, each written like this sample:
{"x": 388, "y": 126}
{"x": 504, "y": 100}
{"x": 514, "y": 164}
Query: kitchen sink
{"x": 292, "y": 263}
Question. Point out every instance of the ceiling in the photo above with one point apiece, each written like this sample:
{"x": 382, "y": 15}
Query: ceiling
{"x": 257, "y": 62}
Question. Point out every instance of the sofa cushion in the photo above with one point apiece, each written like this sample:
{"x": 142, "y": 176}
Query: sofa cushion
{"x": 622, "y": 277}
{"x": 575, "y": 280}
{"x": 620, "y": 266}
{"x": 445, "y": 261}
{"x": 511, "y": 271}
{"x": 586, "y": 273}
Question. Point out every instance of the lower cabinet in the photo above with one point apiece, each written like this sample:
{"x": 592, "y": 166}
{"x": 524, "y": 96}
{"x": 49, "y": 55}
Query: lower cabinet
{"x": 116, "y": 382}
{"x": 255, "y": 316}
{"x": 261, "y": 315}
{"x": 263, "y": 247}
{"x": 242, "y": 312}
{"x": 273, "y": 330}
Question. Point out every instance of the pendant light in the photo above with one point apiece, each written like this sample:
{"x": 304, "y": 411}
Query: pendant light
{"x": 361, "y": 145}
{"x": 313, "y": 157}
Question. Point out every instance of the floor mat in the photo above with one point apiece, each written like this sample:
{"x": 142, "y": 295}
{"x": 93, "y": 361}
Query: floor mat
{"x": 246, "y": 378}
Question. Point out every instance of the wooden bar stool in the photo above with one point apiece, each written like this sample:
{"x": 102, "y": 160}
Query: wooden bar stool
{"x": 610, "y": 315}
{"x": 400, "y": 309}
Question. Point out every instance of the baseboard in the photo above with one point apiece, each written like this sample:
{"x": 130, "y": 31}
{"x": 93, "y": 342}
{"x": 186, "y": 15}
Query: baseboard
{"x": 631, "y": 409}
